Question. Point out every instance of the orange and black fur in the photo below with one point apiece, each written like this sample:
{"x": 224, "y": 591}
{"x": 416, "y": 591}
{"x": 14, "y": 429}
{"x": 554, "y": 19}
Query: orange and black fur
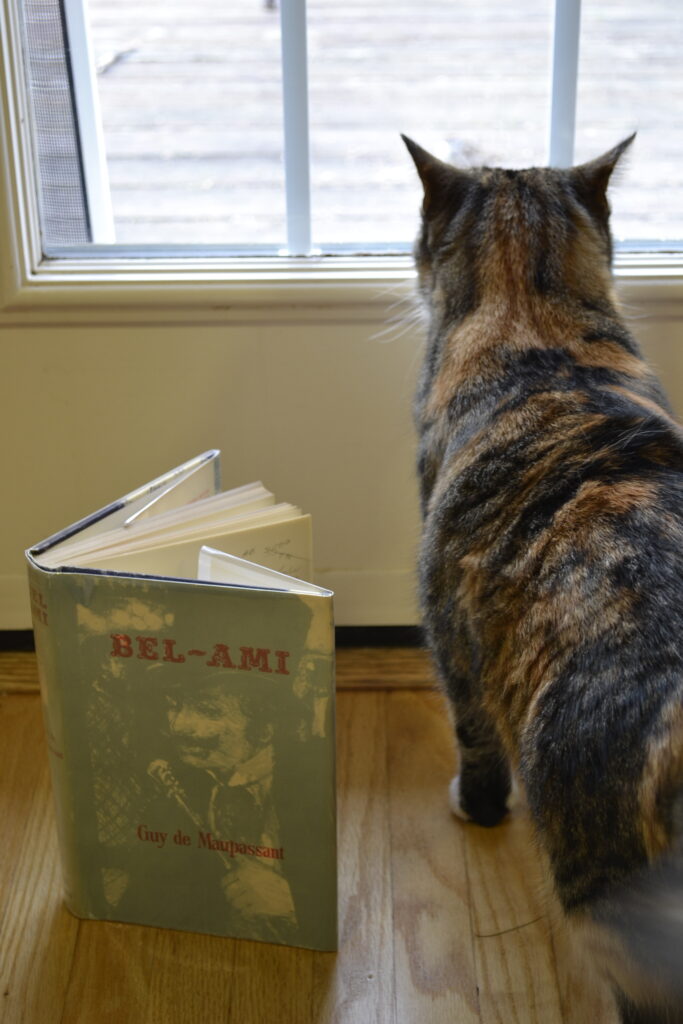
{"x": 551, "y": 570}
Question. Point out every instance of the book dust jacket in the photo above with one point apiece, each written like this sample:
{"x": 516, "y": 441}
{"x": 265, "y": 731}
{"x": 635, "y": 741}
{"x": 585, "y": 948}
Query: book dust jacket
{"x": 191, "y": 735}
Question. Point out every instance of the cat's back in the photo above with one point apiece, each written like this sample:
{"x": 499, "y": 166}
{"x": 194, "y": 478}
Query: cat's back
{"x": 551, "y": 464}
{"x": 530, "y": 371}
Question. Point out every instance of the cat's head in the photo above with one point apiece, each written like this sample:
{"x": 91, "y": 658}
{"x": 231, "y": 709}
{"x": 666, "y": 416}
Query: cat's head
{"x": 540, "y": 231}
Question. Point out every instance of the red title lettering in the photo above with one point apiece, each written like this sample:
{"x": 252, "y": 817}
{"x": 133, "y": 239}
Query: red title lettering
{"x": 151, "y": 648}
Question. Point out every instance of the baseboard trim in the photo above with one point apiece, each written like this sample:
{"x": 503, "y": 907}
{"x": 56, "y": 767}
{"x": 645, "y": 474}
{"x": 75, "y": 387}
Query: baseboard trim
{"x": 346, "y": 636}
{"x": 16, "y": 640}
{"x": 379, "y": 636}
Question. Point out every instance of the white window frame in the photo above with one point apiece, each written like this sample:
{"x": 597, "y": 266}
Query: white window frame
{"x": 87, "y": 103}
{"x": 200, "y": 287}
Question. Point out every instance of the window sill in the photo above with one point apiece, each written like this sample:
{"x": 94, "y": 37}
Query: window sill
{"x": 199, "y": 289}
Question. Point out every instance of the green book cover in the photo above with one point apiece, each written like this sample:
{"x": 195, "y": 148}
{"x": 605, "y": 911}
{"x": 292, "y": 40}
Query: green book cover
{"x": 190, "y": 725}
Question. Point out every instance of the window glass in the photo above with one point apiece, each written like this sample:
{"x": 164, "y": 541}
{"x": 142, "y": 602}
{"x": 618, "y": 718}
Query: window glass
{"x": 191, "y": 105}
{"x": 631, "y": 78}
{"x": 191, "y": 101}
{"x": 469, "y": 81}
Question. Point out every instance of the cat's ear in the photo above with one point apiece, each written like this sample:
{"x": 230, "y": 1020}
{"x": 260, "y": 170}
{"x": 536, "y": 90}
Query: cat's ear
{"x": 443, "y": 184}
{"x": 591, "y": 180}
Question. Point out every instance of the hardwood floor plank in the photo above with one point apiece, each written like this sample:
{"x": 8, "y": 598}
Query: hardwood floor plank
{"x": 272, "y": 983}
{"x": 192, "y": 977}
{"x": 515, "y": 960}
{"x": 111, "y": 974}
{"x": 23, "y": 766}
{"x": 18, "y": 672}
{"x": 359, "y": 987}
{"x": 149, "y": 976}
{"x": 435, "y": 971}
{"x": 584, "y": 997}
{"x": 37, "y": 933}
{"x": 388, "y": 668}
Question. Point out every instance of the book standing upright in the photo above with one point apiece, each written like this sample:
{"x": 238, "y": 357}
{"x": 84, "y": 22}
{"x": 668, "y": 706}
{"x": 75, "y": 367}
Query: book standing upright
{"x": 189, "y": 703}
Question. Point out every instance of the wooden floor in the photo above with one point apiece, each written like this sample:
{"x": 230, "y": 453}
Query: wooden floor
{"x": 440, "y": 922}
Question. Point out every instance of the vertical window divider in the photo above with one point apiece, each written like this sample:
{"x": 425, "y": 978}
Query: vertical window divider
{"x": 564, "y": 79}
{"x": 90, "y": 132}
{"x": 296, "y": 129}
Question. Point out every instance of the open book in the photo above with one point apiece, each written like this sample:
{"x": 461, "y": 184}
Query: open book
{"x": 160, "y": 528}
{"x": 187, "y": 675}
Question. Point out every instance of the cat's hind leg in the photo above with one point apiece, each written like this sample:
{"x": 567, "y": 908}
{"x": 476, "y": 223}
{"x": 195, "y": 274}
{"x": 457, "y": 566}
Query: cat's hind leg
{"x": 481, "y": 791}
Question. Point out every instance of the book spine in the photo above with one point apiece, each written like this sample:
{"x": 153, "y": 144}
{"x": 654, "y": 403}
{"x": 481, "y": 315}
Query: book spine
{"x": 48, "y": 596}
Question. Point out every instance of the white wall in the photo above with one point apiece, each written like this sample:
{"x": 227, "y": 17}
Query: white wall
{"x": 320, "y": 413}
{"x": 320, "y": 410}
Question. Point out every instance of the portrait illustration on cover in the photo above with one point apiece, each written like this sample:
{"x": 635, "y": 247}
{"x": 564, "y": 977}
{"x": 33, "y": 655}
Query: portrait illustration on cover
{"x": 225, "y": 734}
{"x": 209, "y": 807}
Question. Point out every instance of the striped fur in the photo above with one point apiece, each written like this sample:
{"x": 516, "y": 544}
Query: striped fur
{"x": 551, "y": 570}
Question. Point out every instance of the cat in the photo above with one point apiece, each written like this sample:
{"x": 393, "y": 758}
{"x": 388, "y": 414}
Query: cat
{"x": 551, "y": 566}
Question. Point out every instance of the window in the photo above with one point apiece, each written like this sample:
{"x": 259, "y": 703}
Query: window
{"x": 172, "y": 142}
{"x": 631, "y": 77}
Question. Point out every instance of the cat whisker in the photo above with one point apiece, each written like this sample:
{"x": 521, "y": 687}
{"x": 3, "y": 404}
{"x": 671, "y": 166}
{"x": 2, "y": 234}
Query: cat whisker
{"x": 400, "y": 324}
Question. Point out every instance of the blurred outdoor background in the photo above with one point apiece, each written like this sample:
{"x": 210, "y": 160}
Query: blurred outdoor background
{"x": 190, "y": 92}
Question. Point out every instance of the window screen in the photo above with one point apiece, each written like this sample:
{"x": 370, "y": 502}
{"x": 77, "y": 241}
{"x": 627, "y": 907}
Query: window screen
{"x": 62, "y": 197}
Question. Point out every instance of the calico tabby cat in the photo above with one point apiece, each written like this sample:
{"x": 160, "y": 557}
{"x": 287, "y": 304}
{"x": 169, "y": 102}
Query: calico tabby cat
{"x": 551, "y": 571}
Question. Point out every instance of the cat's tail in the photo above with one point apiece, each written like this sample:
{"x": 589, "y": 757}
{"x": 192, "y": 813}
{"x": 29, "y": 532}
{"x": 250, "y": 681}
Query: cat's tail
{"x": 637, "y": 933}
{"x": 647, "y": 918}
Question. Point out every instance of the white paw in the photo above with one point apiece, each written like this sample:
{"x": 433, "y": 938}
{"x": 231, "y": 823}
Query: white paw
{"x": 515, "y": 798}
{"x": 454, "y": 799}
